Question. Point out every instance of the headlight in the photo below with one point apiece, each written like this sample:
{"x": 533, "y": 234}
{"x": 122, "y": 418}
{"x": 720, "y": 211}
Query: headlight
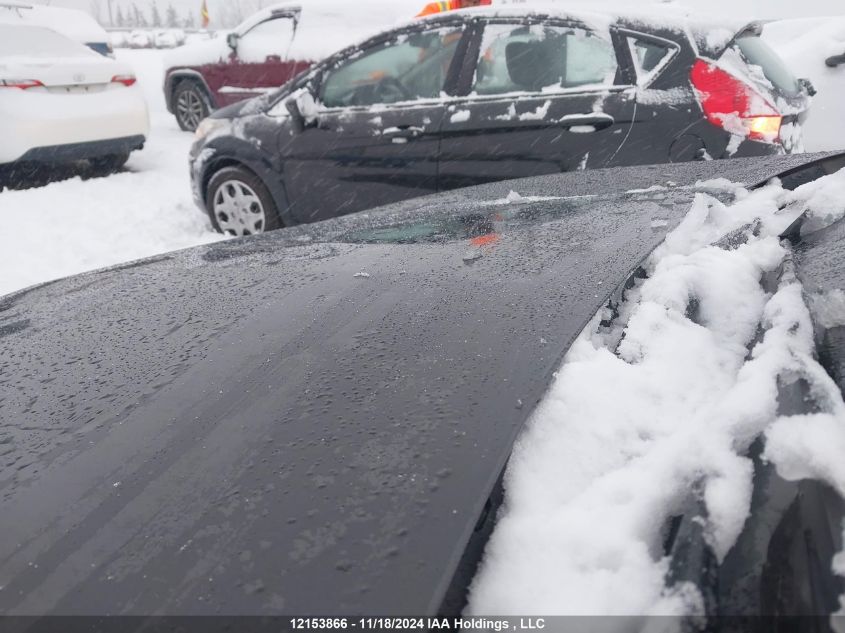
{"x": 207, "y": 126}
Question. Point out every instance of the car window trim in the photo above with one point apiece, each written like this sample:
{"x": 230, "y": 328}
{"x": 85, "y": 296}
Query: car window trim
{"x": 289, "y": 15}
{"x": 452, "y": 75}
{"x": 281, "y": 15}
{"x": 619, "y": 81}
{"x": 313, "y": 78}
{"x": 673, "y": 47}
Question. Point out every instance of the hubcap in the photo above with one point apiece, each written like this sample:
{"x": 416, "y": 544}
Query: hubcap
{"x": 238, "y": 210}
{"x": 191, "y": 109}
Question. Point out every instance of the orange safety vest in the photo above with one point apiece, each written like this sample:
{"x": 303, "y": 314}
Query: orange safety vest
{"x": 440, "y": 7}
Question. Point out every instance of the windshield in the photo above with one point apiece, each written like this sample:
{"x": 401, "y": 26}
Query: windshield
{"x": 758, "y": 53}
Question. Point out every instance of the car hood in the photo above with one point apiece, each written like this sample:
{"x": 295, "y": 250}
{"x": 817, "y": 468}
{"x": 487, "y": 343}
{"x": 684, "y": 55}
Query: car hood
{"x": 311, "y": 420}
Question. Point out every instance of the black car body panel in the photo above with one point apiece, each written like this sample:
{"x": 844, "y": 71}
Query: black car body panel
{"x": 311, "y": 420}
{"x": 352, "y": 157}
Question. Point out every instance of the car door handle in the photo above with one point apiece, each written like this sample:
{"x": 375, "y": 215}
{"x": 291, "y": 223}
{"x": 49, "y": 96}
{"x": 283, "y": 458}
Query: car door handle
{"x": 595, "y": 120}
{"x": 403, "y": 133}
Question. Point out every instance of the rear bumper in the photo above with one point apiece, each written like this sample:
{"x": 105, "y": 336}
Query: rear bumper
{"x": 80, "y": 151}
{"x": 39, "y": 122}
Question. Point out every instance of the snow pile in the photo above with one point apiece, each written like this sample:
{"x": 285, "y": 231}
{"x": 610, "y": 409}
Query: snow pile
{"x": 665, "y": 401}
{"x": 805, "y": 45}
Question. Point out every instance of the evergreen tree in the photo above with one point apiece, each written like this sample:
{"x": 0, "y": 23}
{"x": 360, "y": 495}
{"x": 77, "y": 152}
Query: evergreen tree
{"x": 121, "y": 21}
{"x": 172, "y": 18}
{"x": 190, "y": 22}
{"x": 140, "y": 18}
{"x": 156, "y": 16}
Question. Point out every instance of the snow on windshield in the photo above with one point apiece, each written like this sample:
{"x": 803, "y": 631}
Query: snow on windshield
{"x": 666, "y": 400}
{"x": 36, "y": 41}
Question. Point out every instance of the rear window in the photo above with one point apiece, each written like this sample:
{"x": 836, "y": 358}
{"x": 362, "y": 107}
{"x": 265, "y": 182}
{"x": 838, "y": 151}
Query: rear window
{"x": 103, "y": 48}
{"x": 757, "y": 53}
{"x": 37, "y": 41}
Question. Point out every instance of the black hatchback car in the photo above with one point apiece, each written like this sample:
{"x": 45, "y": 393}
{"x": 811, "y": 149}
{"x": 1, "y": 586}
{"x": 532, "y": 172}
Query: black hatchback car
{"x": 482, "y": 95}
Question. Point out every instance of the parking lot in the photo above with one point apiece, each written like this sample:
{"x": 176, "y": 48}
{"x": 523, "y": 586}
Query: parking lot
{"x": 71, "y": 226}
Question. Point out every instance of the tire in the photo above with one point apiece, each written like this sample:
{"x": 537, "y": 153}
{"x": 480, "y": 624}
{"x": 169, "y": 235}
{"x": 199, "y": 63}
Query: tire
{"x": 190, "y": 105}
{"x": 107, "y": 165}
{"x": 239, "y": 204}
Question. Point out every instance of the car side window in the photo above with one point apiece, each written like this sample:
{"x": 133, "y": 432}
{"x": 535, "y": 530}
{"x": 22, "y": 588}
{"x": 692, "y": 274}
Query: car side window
{"x": 649, "y": 56}
{"x": 518, "y": 58}
{"x": 413, "y": 66}
{"x": 268, "y": 39}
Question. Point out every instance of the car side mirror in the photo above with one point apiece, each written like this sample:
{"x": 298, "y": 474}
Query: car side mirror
{"x": 303, "y": 109}
{"x": 808, "y": 87}
{"x": 835, "y": 61}
{"x": 232, "y": 41}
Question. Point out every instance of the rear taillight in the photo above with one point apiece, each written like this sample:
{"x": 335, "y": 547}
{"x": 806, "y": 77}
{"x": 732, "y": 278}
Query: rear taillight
{"x": 23, "y": 84}
{"x": 733, "y": 105}
{"x": 126, "y": 80}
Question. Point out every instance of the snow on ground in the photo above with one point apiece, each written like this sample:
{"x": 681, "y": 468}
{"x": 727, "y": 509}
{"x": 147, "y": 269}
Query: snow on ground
{"x": 666, "y": 401}
{"x": 69, "y": 227}
{"x": 805, "y": 44}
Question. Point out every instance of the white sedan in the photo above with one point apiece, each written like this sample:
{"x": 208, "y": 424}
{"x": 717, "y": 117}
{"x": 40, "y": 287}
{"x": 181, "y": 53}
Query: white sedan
{"x": 61, "y": 102}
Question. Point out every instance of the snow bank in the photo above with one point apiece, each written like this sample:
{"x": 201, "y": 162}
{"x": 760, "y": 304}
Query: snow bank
{"x": 665, "y": 401}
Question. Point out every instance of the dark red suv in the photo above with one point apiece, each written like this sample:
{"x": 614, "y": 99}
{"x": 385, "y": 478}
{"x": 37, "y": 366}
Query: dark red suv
{"x": 266, "y": 51}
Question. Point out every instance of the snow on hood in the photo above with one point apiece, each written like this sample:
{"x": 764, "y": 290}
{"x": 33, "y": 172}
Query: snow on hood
{"x": 664, "y": 401}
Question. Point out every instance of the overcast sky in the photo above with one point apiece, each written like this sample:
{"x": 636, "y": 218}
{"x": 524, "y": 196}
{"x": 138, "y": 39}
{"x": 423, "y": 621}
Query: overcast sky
{"x": 757, "y": 8}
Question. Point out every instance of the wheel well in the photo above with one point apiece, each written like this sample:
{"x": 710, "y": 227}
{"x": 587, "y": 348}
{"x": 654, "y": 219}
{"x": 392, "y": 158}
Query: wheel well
{"x": 278, "y": 194}
{"x": 177, "y": 80}
{"x": 216, "y": 166}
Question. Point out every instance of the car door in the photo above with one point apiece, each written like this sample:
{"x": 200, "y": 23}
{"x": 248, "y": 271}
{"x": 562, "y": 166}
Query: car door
{"x": 544, "y": 96}
{"x": 260, "y": 61}
{"x": 665, "y": 127}
{"x": 375, "y": 136}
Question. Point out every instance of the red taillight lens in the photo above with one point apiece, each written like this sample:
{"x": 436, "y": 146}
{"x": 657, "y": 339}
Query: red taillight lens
{"x": 126, "y": 80}
{"x": 733, "y": 105}
{"x": 22, "y": 84}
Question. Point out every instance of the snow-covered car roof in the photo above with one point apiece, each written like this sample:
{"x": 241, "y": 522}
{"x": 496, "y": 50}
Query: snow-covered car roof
{"x": 77, "y": 25}
{"x": 327, "y": 26}
{"x": 710, "y": 35}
